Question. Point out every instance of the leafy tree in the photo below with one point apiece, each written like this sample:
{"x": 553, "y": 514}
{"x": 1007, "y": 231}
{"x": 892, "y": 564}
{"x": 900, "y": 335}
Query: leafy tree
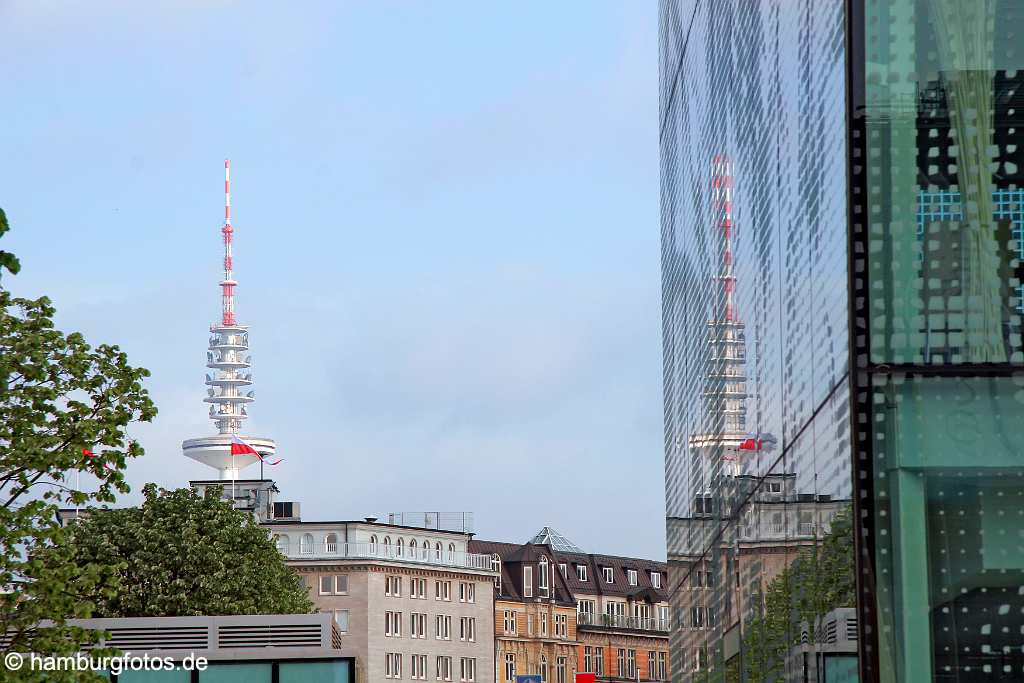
{"x": 8, "y": 261}
{"x": 180, "y": 554}
{"x": 58, "y": 396}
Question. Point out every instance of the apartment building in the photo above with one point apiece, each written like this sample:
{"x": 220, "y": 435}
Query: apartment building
{"x": 411, "y": 600}
{"x": 617, "y": 609}
{"x": 534, "y": 614}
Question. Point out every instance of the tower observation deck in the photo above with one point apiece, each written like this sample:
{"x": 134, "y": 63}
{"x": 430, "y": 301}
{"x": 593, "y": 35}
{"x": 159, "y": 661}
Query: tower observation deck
{"x": 228, "y": 384}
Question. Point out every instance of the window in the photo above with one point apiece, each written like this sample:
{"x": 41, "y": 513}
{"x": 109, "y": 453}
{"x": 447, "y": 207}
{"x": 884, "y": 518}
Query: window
{"x": 326, "y": 584}
{"x": 529, "y": 624}
{"x": 341, "y": 619}
{"x": 510, "y": 621}
{"x": 393, "y": 585}
{"x": 631, "y": 663}
{"x": 581, "y": 572}
{"x": 444, "y": 668}
{"x": 527, "y": 582}
{"x": 620, "y": 661}
{"x": 386, "y": 549}
{"x": 656, "y": 579}
{"x": 392, "y": 665}
{"x": 373, "y": 544}
{"x": 393, "y": 624}
{"x": 585, "y": 607}
{"x": 341, "y": 584}
{"x": 467, "y": 591}
{"x": 437, "y": 552}
{"x": 652, "y": 664}
{"x": 467, "y": 669}
{"x": 663, "y": 617}
{"x": 442, "y": 590}
{"x": 412, "y": 548}
{"x": 510, "y": 667}
{"x": 418, "y": 625}
{"x": 631, "y": 576}
{"x": 775, "y": 487}
{"x": 443, "y": 627}
{"x": 599, "y": 661}
{"x": 334, "y": 584}
{"x": 331, "y": 544}
{"x": 451, "y": 553}
{"x": 419, "y": 667}
{"x": 543, "y": 669}
{"x": 467, "y": 629}
{"x": 564, "y": 568}
{"x": 283, "y": 542}
{"x": 662, "y": 666}
{"x": 609, "y": 574}
{"x": 561, "y": 626}
{"x": 542, "y": 579}
{"x": 588, "y": 659}
{"x": 560, "y": 670}
{"x": 418, "y": 588}
{"x": 306, "y": 544}
{"x": 400, "y": 548}
{"x": 544, "y": 625}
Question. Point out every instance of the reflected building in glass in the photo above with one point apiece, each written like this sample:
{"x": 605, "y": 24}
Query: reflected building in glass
{"x": 842, "y": 247}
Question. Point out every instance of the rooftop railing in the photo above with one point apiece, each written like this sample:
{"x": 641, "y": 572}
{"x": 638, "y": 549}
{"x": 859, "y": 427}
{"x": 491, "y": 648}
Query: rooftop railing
{"x": 379, "y": 551}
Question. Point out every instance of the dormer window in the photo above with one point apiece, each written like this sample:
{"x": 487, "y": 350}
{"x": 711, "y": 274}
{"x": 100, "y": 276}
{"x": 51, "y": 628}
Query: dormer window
{"x": 609, "y": 574}
{"x": 527, "y": 582}
{"x": 542, "y": 580}
{"x": 631, "y": 576}
{"x": 656, "y": 579}
{"x": 564, "y": 568}
{"x": 581, "y": 572}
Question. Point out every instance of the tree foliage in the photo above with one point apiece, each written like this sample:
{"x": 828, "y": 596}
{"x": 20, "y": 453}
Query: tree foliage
{"x": 180, "y": 554}
{"x": 58, "y": 396}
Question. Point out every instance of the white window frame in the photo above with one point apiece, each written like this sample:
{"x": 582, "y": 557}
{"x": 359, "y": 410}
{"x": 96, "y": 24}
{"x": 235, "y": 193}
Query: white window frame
{"x": 609, "y": 574}
{"x": 632, "y": 577}
{"x": 467, "y": 629}
{"x": 581, "y": 572}
{"x": 342, "y": 627}
{"x": 509, "y": 621}
{"x": 467, "y": 669}
{"x": 330, "y": 589}
{"x": 564, "y": 568}
{"x": 444, "y": 667}
{"x": 656, "y": 579}
{"x": 510, "y": 667}
{"x": 527, "y": 581}
{"x": 443, "y": 627}
{"x": 392, "y": 624}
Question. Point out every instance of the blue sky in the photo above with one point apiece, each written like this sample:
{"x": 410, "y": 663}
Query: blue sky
{"x": 447, "y": 231}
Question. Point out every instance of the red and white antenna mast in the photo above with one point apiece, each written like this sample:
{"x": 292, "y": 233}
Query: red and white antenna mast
{"x": 228, "y": 283}
{"x": 721, "y": 208}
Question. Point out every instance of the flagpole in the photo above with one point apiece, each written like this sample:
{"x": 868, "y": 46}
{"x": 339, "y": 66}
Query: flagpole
{"x": 234, "y": 474}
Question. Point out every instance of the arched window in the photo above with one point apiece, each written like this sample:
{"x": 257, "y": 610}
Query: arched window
{"x": 400, "y": 547}
{"x": 412, "y": 548}
{"x": 373, "y": 544}
{"x": 387, "y": 546}
{"x": 437, "y": 551}
{"x": 331, "y": 544}
{"x": 543, "y": 669}
{"x": 451, "y": 552}
{"x": 542, "y": 579}
{"x": 425, "y": 550}
{"x": 306, "y": 544}
{"x": 283, "y": 543}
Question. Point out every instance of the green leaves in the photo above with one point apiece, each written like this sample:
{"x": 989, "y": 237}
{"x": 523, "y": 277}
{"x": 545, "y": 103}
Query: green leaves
{"x": 180, "y": 554}
{"x": 7, "y": 259}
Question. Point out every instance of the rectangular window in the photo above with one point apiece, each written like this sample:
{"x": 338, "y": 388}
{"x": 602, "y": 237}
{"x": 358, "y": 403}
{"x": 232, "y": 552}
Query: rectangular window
{"x": 599, "y": 661}
{"x": 326, "y": 585}
{"x": 510, "y": 621}
{"x": 620, "y": 661}
{"x": 588, "y": 659}
{"x": 417, "y": 625}
{"x": 544, "y": 625}
{"x": 419, "y": 667}
{"x": 662, "y": 666}
{"x": 444, "y": 668}
{"x": 393, "y": 624}
{"x": 510, "y": 667}
{"x": 417, "y": 588}
{"x": 341, "y": 619}
{"x": 631, "y": 664}
{"x": 467, "y": 669}
{"x": 527, "y": 582}
{"x": 585, "y": 606}
{"x": 442, "y": 590}
{"x": 529, "y": 624}
{"x": 467, "y": 591}
{"x": 564, "y": 568}
{"x": 393, "y": 585}
{"x": 341, "y": 584}
{"x": 561, "y": 625}
{"x": 443, "y": 627}
{"x": 609, "y": 574}
{"x": 467, "y": 629}
{"x": 631, "y": 576}
{"x": 581, "y": 572}
{"x": 392, "y": 665}
{"x": 652, "y": 664}
{"x": 656, "y": 579}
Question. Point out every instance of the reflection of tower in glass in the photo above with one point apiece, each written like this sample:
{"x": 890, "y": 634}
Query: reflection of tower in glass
{"x": 724, "y": 398}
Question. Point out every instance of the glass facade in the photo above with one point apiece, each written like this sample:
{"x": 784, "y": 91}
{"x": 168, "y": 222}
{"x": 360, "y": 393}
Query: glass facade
{"x": 756, "y": 343}
{"x": 938, "y": 210}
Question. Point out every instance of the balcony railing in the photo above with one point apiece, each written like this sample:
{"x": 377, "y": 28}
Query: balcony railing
{"x": 621, "y": 621}
{"x": 379, "y": 551}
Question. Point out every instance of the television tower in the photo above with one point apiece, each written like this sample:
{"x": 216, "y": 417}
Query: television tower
{"x": 228, "y": 358}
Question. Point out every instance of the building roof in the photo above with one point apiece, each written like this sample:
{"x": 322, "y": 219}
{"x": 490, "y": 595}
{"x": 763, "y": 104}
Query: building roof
{"x": 558, "y": 542}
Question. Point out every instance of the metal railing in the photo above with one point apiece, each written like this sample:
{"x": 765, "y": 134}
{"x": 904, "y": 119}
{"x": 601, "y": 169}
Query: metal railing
{"x": 621, "y": 621}
{"x": 461, "y": 522}
{"x": 379, "y": 551}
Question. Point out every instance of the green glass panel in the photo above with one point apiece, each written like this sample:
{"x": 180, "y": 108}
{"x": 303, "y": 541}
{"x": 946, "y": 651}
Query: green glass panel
{"x": 949, "y": 482}
{"x": 237, "y": 673}
{"x": 172, "y": 676}
{"x": 945, "y": 173}
{"x": 314, "y": 672}
{"x": 841, "y": 669}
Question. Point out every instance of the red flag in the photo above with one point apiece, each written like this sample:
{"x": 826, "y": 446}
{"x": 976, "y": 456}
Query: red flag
{"x": 239, "y": 447}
